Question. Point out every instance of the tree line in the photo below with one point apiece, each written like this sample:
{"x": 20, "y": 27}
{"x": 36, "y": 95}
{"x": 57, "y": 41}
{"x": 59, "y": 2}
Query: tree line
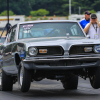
{"x": 57, "y": 7}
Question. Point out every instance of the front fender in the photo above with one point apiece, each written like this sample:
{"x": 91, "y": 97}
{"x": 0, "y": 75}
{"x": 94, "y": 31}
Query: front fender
{"x": 29, "y": 65}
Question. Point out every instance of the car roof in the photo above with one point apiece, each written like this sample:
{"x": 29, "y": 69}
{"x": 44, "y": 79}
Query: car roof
{"x": 40, "y": 21}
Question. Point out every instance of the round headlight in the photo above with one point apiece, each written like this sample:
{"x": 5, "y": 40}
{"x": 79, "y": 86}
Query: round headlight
{"x": 97, "y": 48}
{"x": 33, "y": 51}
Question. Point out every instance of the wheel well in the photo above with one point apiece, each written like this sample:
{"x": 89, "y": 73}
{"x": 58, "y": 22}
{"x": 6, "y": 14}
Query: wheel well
{"x": 17, "y": 59}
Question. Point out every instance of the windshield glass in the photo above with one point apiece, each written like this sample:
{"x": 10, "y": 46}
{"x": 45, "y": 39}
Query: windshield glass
{"x": 52, "y": 29}
{"x": 2, "y": 40}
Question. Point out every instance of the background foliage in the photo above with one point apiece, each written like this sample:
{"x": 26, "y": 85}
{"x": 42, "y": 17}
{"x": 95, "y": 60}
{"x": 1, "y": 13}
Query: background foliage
{"x": 4, "y": 13}
{"x": 57, "y": 7}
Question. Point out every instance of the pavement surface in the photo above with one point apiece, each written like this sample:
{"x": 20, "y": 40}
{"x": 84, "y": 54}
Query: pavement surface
{"x": 53, "y": 90}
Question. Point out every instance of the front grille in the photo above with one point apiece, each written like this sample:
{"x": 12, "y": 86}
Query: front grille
{"x": 78, "y": 50}
{"x": 51, "y": 50}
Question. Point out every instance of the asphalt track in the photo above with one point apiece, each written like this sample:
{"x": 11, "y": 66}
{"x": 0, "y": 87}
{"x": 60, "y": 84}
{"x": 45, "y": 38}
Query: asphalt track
{"x": 53, "y": 90}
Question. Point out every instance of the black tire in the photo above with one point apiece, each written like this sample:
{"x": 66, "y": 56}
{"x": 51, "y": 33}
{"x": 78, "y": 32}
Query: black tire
{"x": 24, "y": 85}
{"x": 70, "y": 83}
{"x": 6, "y": 82}
{"x": 94, "y": 76}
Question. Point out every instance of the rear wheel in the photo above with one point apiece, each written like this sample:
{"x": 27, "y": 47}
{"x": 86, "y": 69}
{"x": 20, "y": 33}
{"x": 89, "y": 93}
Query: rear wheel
{"x": 6, "y": 82}
{"x": 24, "y": 78}
{"x": 94, "y": 76}
{"x": 70, "y": 83}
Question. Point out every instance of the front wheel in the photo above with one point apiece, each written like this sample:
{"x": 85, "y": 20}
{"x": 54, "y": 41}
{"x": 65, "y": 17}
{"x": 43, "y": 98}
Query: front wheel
{"x": 70, "y": 83}
{"x": 94, "y": 76}
{"x": 24, "y": 78}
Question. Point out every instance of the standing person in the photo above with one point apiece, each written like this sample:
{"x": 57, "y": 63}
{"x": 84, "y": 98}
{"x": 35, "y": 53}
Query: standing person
{"x": 93, "y": 28}
{"x": 86, "y": 20}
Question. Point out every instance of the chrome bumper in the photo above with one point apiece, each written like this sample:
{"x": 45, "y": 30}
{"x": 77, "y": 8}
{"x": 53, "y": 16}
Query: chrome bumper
{"x": 60, "y": 59}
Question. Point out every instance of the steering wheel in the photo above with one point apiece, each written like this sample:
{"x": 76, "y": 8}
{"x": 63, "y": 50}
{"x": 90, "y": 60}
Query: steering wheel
{"x": 56, "y": 33}
{"x": 49, "y": 34}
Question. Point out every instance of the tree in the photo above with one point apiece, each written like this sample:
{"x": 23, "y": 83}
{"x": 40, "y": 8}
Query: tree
{"x": 4, "y": 13}
{"x": 42, "y": 12}
{"x": 58, "y": 7}
{"x": 33, "y": 13}
{"x": 92, "y": 11}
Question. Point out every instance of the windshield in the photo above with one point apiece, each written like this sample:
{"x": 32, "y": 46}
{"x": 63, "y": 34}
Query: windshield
{"x": 2, "y": 40}
{"x": 53, "y": 29}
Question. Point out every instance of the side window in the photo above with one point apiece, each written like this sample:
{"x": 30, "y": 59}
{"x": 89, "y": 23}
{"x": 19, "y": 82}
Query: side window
{"x": 12, "y": 34}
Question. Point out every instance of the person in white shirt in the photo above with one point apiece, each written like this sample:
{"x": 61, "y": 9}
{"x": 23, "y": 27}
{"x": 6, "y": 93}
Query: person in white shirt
{"x": 93, "y": 28}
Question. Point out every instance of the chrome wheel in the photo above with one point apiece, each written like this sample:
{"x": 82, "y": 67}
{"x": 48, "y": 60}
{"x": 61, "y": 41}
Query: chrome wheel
{"x": 24, "y": 78}
{"x": 21, "y": 75}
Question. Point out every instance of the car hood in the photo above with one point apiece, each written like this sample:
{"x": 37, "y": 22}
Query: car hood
{"x": 65, "y": 43}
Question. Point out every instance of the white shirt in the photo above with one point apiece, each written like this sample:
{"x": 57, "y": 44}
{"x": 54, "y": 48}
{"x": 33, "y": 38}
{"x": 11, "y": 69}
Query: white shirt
{"x": 92, "y": 31}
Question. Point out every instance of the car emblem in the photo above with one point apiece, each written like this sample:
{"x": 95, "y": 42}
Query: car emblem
{"x": 42, "y": 50}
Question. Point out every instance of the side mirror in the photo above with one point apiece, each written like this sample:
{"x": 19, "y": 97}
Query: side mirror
{"x": 88, "y": 36}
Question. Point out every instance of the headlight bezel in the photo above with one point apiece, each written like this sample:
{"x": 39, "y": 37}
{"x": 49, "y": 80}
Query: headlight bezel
{"x": 30, "y": 49}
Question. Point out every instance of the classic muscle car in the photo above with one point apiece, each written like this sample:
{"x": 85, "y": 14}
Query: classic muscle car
{"x": 52, "y": 49}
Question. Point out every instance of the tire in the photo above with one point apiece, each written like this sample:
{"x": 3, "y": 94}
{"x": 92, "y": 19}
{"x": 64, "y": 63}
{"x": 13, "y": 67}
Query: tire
{"x": 24, "y": 78}
{"x": 94, "y": 77}
{"x": 70, "y": 83}
{"x": 6, "y": 82}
